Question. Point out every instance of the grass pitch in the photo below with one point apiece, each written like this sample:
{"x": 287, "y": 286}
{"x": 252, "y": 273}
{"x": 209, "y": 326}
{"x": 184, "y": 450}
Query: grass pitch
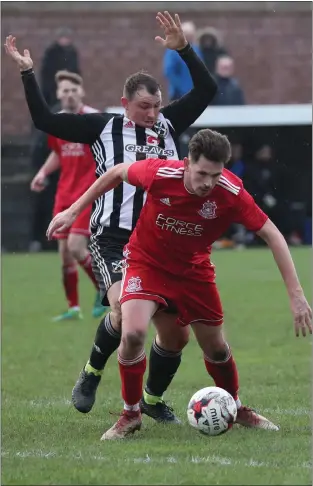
{"x": 46, "y": 441}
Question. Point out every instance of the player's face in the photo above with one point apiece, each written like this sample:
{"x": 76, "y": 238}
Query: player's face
{"x": 70, "y": 95}
{"x": 143, "y": 109}
{"x": 202, "y": 176}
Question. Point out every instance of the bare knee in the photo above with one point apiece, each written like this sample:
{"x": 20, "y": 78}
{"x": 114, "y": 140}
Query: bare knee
{"x": 116, "y": 312}
{"x": 134, "y": 339}
{"x": 218, "y": 350}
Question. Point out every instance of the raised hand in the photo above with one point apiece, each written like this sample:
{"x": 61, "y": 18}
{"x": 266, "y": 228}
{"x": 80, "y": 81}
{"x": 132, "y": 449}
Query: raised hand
{"x": 23, "y": 61}
{"x": 174, "y": 36}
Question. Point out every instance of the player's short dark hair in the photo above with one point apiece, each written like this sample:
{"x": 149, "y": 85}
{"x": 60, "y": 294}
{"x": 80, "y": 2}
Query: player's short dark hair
{"x": 139, "y": 81}
{"x": 69, "y": 76}
{"x": 212, "y": 145}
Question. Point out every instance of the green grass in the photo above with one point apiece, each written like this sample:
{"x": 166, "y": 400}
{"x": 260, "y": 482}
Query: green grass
{"x": 46, "y": 441}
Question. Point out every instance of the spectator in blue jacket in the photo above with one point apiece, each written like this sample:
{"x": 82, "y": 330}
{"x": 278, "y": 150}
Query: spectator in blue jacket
{"x": 175, "y": 69}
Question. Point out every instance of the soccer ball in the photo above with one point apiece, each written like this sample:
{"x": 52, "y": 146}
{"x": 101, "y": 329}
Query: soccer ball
{"x": 212, "y": 411}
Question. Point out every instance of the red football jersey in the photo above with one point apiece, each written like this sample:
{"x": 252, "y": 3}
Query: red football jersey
{"x": 176, "y": 228}
{"x": 77, "y": 167}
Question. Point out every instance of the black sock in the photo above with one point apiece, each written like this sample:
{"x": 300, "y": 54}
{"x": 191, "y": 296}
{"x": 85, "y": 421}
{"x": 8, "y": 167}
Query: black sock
{"x": 162, "y": 368}
{"x": 107, "y": 340}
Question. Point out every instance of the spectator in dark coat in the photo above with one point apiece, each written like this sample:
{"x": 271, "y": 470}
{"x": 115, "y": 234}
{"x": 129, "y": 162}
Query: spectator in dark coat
{"x": 265, "y": 179}
{"x": 210, "y": 44}
{"x": 229, "y": 92}
{"x": 61, "y": 55}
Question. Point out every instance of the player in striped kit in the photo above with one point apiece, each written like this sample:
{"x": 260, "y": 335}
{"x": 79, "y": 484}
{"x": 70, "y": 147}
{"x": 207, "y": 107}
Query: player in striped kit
{"x": 147, "y": 129}
{"x": 190, "y": 204}
{"x": 77, "y": 172}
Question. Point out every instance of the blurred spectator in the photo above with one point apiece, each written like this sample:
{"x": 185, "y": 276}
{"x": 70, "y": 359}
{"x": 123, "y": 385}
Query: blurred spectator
{"x": 236, "y": 164}
{"x": 210, "y": 44}
{"x": 236, "y": 235}
{"x": 229, "y": 92}
{"x": 61, "y": 55}
{"x": 265, "y": 180}
{"x": 175, "y": 69}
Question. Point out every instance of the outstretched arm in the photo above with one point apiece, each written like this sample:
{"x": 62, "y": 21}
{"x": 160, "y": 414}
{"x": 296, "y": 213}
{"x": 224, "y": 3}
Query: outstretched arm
{"x": 300, "y": 308}
{"x": 184, "y": 112}
{"x": 111, "y": 179}
{"x": 248, "y": 213}
{"x": 71, "y": 127}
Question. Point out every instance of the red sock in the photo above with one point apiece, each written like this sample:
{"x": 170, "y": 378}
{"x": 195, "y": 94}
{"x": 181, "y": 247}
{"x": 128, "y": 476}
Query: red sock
{"x": 131, "y": 373}
{"x": 86, "y": 265}
{"x": 70, "y": 282}
{"x": 224, "y": 374}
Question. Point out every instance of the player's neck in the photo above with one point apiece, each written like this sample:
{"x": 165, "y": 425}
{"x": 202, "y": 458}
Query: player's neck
{"x": 187, "y": 185}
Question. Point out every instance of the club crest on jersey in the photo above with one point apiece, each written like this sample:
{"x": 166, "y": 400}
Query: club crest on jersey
{"x": 208, "y": 210}
{"x": 117, "y": 266}
{"x": 134, "y": 284}
{"x": 161, "y": 129}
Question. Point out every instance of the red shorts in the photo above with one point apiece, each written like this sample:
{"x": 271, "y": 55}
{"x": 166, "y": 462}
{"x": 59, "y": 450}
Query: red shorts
{"x": 80, "y": 225}
{"x": 193, "y": 300}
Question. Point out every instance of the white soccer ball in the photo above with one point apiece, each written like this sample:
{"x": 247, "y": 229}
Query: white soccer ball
{"x": 212, "y": 411}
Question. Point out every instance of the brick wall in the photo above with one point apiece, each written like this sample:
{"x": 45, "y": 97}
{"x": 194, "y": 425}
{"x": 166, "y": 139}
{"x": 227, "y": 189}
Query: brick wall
{"x": 272, "y": 50}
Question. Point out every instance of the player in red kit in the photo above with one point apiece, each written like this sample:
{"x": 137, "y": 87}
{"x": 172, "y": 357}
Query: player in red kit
{"x": 189, "y": 205}
{"x": 77, "y": 173}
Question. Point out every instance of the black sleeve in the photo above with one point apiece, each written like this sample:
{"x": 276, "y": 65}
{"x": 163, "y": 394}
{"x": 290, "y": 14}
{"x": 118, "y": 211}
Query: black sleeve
{"x": 67, "y": 126}
{"x": 184, "y": 112}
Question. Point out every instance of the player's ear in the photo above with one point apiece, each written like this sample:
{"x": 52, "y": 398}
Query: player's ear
{"x": 58, "y": 94}
{"x": 124, "y": 102}
{"x": 186, "y": 164}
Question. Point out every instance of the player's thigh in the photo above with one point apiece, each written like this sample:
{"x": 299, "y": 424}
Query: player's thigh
{"x": 77, "y": 245}
{"x": 210, "y": 338}
{"x": 107, "y": 257}
{"x": 170, "y": 336}
{"x": 136, "y": 315}
{"x": 64, "y": 252}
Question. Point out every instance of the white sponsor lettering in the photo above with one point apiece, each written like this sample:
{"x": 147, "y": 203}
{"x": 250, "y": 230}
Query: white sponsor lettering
{"x": 149, "y": 149}
{"x": 179, "y": 227}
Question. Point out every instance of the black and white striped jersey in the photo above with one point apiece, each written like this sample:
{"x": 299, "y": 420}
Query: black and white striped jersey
{"x": 115, "y": 139}
{"x": 123, "y": 141}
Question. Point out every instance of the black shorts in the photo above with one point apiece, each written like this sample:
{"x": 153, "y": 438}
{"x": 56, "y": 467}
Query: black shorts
{"x": 107, "y": 256}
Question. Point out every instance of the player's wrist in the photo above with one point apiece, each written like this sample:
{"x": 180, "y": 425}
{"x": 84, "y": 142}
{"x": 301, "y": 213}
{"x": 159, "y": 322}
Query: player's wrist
{"x": 184, "y": 48}
{"x": 75, "y": 210}
{"x": 295, "y": 291}
{"x": 26, "y": 71}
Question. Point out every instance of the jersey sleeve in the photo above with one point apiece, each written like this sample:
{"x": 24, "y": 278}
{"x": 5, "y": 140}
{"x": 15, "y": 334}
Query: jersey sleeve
{"x": 142, "y": 173}
{"x": 249, "y": 213}
{"x": 52, "y": 143}
{"x": 71, "y": 127}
